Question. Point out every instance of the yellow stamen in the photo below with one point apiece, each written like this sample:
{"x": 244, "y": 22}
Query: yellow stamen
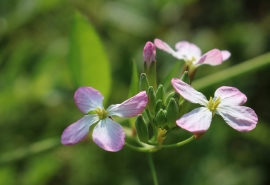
{"x": 213, "y": 104}
{"x": 102, "y": 114}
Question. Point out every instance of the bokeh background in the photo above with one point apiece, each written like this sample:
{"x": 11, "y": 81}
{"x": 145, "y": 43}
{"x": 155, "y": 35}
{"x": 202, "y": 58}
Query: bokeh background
{"x": 37, "y": 87}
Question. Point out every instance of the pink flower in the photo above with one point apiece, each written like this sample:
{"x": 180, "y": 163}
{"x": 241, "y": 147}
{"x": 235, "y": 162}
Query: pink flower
{"x": 191, "y": 53}
{"x": 227, "y": 103}
{"x": 149, "y": 53}
{"x": 107, "y": 134}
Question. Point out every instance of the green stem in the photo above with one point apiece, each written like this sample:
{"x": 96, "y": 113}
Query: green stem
{"x": 142, "y": 149}
{"x": 237, "y": 70}
{"x": 179, "y": 143}
{"x": 152, "y": 168}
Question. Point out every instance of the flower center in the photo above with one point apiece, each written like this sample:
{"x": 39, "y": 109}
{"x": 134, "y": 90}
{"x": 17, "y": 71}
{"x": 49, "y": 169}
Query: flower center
{"x": 102, "y": 114}
{"x": 213, "y": 104}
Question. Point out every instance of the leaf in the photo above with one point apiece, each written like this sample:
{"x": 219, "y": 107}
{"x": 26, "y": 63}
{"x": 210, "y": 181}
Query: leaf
{"x": 88, "y": 62}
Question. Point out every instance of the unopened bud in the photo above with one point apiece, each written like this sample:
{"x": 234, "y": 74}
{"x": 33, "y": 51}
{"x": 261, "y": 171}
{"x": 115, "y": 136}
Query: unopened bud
{"x": 185, "y": 77}
{"x": 160, "y": 93}
{"x": 142, "y": 129}
{"x": 159, "y": 106}
{"x": 143, "y": 83}
{"x": 151, "y": 100}
{"x": 161, "y": 118}
{"x": 172, "y": 113}
{"x": 174, "y": 95}
{"x": 149, "y": 53}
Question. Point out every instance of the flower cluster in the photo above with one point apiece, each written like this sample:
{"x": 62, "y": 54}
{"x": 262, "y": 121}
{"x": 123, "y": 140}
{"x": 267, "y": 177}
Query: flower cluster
{"x": 159, "y": 112}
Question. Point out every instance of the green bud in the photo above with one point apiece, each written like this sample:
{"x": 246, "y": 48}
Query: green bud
{"x": 159, "y": 106}
{"x": 161, "y": 118}
{"x": 160, "y": 93}
{"x": 172, "y": 112}
{"x": 151, "y": 100}
{"x": 143, "y": 84}
{"x": 185, "y": 77}
{"x": 174, "y": 95}
{"x": 142, "y": 129}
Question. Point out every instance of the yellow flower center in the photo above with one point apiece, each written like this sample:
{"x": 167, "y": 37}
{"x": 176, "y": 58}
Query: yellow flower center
{"x": 213, "y": 104}
{"x": 102, "y": 114}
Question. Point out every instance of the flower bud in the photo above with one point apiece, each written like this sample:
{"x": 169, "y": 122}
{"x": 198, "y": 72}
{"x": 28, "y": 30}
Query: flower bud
{"x": 151, "y": 100}
{"x": 174, "y": 95}
{"x": 161, "y": 118}
{"x": 172, "y": 112}
{"x": 149, "y": 53}
{"x": 160, "y": 93}
{"x": 142, "y": 129}
{"x": 185, "y": 77}
{"x": 143, "y": 83}
{"x": 159, "y": 106}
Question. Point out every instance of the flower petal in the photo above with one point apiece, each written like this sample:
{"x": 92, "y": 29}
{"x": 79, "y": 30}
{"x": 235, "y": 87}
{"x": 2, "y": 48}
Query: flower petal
{"x": 188, "y": 92}
{"x": 212, "y": 57}
{"x": 129, "y": 108}
{"x": 196, "y": 121}
{"x": 109, "y": 135}
{"x": 230, "y": 96}
{"x": 75, "y": 132}
{"x": 188, "y": 49}
{"x": 88, "y": 98}
{"x": 240, "y": 118}
{"x": 225, "y": 54}
{"x": 165, "y": 47}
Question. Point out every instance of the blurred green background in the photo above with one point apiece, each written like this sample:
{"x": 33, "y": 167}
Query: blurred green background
{"x": 40, "y": 41}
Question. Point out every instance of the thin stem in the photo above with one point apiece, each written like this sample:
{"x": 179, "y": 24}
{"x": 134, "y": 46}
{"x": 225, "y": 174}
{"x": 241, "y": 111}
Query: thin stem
{"x": 142, "y": 149}
{"x": 152, "y": 168}
{"x": 179, "y": 143}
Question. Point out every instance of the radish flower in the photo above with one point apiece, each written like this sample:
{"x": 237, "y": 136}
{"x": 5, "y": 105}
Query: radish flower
{"x": 227, "y": 102}
{"x": 107, "y": 134}
{"x": 191, "y": 53}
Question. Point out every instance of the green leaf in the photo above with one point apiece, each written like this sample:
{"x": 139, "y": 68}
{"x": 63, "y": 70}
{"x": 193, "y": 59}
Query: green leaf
{"x": 134, "y": 84}
{"x": 88, "y": 62}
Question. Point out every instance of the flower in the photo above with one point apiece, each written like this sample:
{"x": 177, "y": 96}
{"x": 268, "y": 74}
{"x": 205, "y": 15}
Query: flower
{"x": 227, "y": 102}
{"x": 149, "y": 52}
{"x": 107, "y": 134}
{"x": 191, "y": 53}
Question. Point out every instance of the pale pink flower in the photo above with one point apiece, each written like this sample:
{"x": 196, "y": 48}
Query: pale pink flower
{"x": 192, "y": 54}
{"x": 107, "y": 134}
{"x": 227, "y": 102}
{"x": 149, "y": 53}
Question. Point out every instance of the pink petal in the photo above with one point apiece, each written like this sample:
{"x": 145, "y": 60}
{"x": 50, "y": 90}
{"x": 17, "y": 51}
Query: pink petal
{"x": 165, "y": 47}
{"x": 187, "y": 49}
{"x": 230, "y": 96}
{"x": 240, "y": 118}
{"x": 75, "y": 132}
{"x": 188, "y": 92}
{"x": 88, "y": 98}
{"x": 225, "y": 54}
{"x": 212, "y": 57}
{"x": 109, "y": 135}
{"x": 149, "y": 52}
{"x": 196, "y": 121}
{"x": 129, "y": 108}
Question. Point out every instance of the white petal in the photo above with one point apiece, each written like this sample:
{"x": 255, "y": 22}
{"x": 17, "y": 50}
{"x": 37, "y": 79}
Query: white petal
{"x": 75, "y": 132}
{"x": 212, "y": 57}
{"x": 129, "y": 108}
{"x": 88, "y": 98}
{"x": 230, "y": 96}
{"x": 188, "y": 92}
{"x": 240, "y": 118}
{"x": 225, "y": 54}
{"x": 165, "y": 47}
{"x": 109, "y": 135}
{"x": 196, "y": 121}
{"x": 188, "y": 49}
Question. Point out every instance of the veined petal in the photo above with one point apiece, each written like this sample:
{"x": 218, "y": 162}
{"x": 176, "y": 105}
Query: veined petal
{"x": 188, "y": 49}
{"x": 240, "y": 118}
{"x": 196, "y": 121}
{"x": 165, "y": 47}
{"x": 188, "y": 92}
{"x": 225, "y": 54}
{"x": 75, "y": 132}
{"x": 109, "y": 135}
{"x": 212, "y": 57}
{"x": 129, "y": 108}
{"x": 88, "y": 98}
{"x": 230, "y": 96}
